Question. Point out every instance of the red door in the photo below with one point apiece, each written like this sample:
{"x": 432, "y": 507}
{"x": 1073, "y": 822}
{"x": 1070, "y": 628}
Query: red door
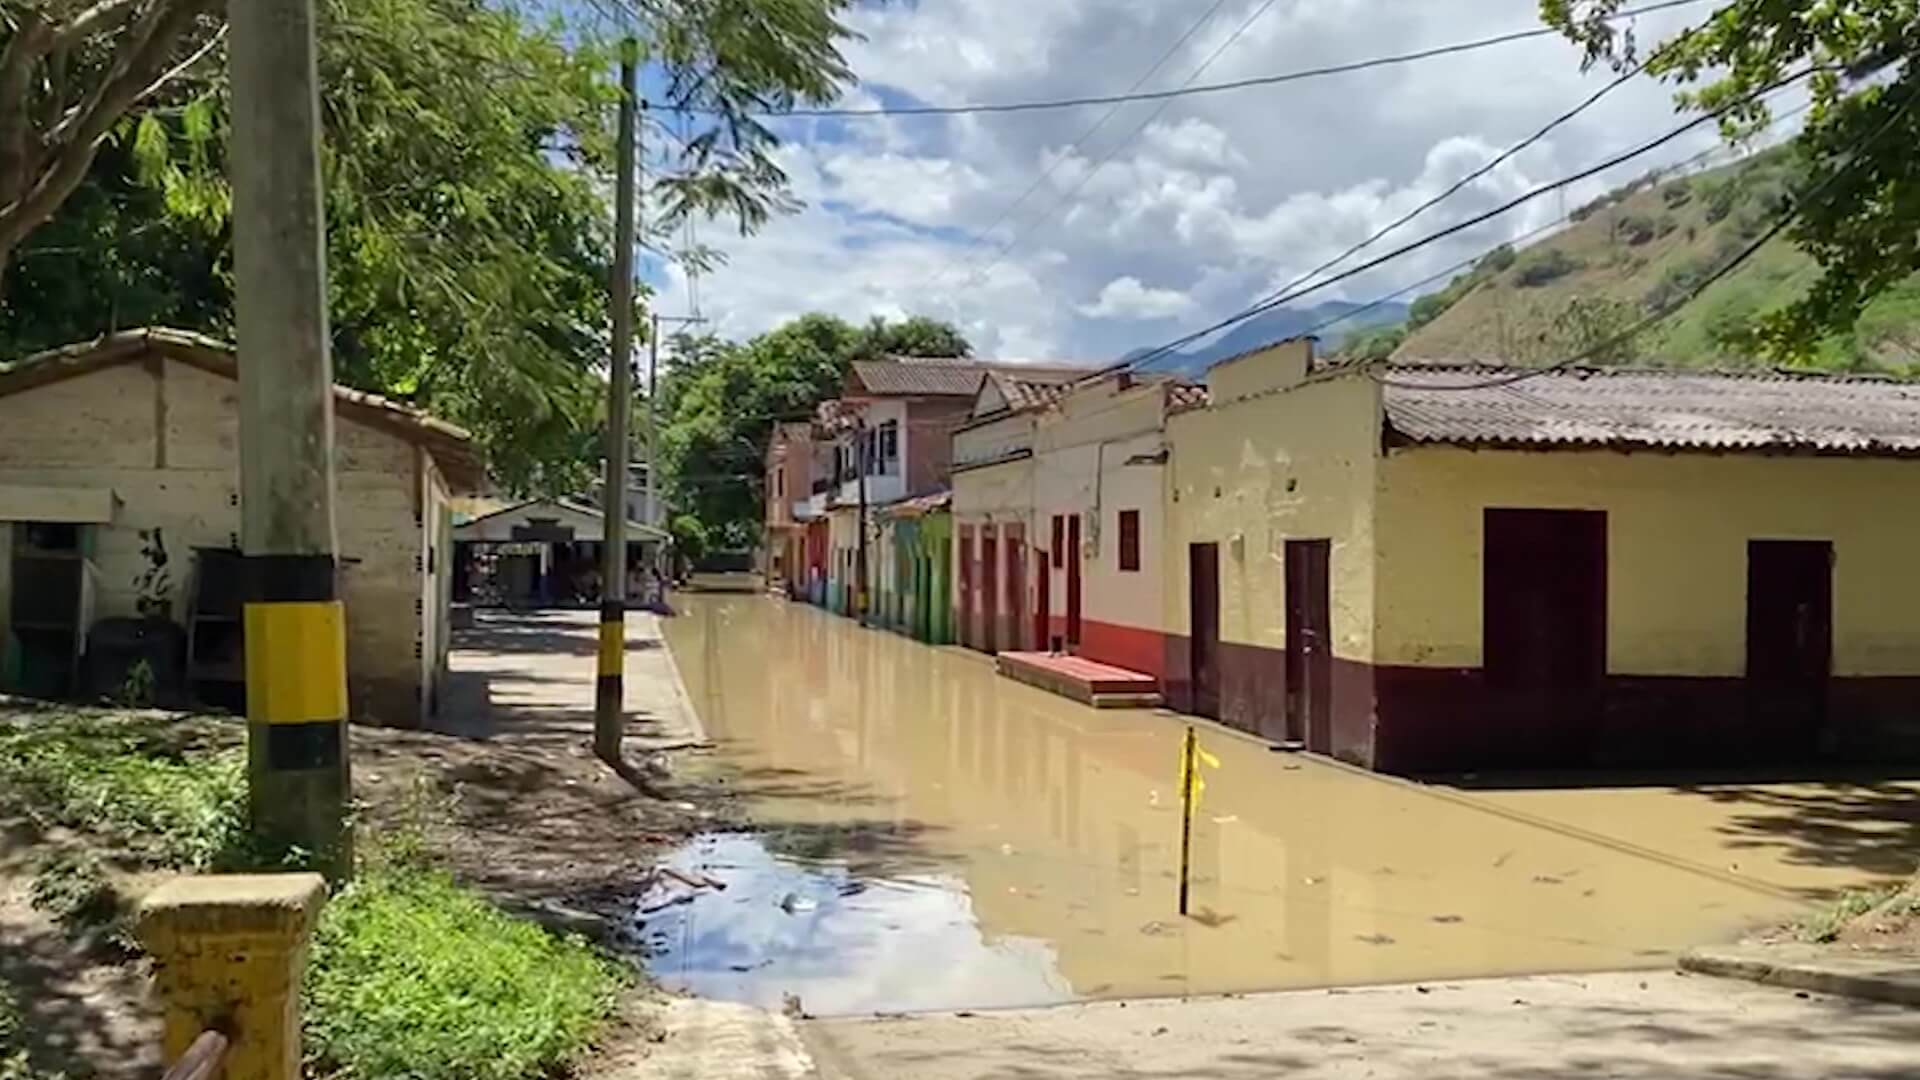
{"x": 1073, "y": 579}
{"x": 990, "y": 585}
{"x": 1545, "y": 628}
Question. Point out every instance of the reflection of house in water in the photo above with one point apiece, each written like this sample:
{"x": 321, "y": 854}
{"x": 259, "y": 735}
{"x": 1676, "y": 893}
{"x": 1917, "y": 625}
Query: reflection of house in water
{"x": 542, "y": 553}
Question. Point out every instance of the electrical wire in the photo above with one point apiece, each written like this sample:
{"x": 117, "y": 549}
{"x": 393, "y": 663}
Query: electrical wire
{"x": 974, "y": 277}
{"x": 1516, "y": 240}
{"x": 1184, "y": 90}
{"x": 1287, "y": 296}
{"x": 981, "y": 236}
{"x": 1692, "y": 294}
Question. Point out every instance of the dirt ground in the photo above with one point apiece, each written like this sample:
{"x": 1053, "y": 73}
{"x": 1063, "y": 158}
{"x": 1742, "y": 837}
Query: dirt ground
{"x": 506, "y": 790}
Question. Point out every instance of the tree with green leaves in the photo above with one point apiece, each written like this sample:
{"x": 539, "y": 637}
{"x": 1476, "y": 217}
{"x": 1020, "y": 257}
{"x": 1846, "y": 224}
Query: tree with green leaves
{"x": 1857, "y": 185}
{"x": 467, "y": 159}
{"x": 720, "y": 400}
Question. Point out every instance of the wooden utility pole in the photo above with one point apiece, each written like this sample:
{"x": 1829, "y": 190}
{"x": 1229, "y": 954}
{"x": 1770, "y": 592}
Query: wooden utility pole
{"x": 295, "y": 626}
{"x": 609, "y": 717}
{"x": 860, "y": 569}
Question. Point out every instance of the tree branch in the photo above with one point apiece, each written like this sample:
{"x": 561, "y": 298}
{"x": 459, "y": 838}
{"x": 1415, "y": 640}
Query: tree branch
{"x": 17, "y": 63}
{"x": 100, "y": 18}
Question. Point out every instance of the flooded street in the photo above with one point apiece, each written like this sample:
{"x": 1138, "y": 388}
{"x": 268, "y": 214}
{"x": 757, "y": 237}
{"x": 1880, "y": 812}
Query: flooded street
{"x": 934, "y": 836}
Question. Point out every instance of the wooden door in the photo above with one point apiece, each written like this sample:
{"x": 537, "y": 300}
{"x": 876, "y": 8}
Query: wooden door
{"x": 1789, "y": 637}
{"x": 990, "y": 590}
{"x": 1073, "y": 579}
{"x": 965, "y": 630}
{"x": 1043, "y": 613}
{"x": 1016, "y": 589}
{"x": 1203, "y": 589}
{"x": 1309, "y": 713}
{"x": 1545, "y": 627}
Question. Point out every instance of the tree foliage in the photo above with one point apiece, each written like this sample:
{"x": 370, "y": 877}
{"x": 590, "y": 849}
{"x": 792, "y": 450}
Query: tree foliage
{"x": 467, "y": 162}
{"x": 1857, "y": 185}
{"x": 720, "y": 400}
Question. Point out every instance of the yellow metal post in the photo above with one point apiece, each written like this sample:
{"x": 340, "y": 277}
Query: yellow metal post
{"x": 1188, "y": 766}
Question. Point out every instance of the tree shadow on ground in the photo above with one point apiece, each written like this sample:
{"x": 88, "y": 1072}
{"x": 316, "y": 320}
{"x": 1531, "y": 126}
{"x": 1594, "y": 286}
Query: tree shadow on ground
{"x": 1872, "y": 827}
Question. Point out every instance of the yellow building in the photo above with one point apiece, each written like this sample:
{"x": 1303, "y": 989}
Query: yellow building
{"x": 1436, "y": 568}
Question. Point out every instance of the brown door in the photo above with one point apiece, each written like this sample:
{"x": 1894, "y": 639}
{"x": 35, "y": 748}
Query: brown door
{"x": 966, "y": 586}
{"x": 1016, "y": 589}
{"x": 1073, "y": 579}
{"x": 990, "y": 588}
{"x": 1043, "y": 614}
{"x": 1789, "y": 637}
{"x": 1203, "y": 587}
{"x": 1545, "y": 643}
{"x": 1309, "y": 717}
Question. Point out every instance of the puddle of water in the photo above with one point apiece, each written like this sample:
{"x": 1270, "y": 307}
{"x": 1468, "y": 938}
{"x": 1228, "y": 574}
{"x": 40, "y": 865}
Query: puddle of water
{"x": 832, "y": 941}
{"x": 1042, "y": 838}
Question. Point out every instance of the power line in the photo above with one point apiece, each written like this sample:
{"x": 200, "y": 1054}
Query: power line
{"x": 1515, "y": 240}
{"x": 982, "y": 235}
{"x": 1287, "y": 296}
{"x": 1691, "y": 295}
{"x": 1183, "y": 90}
{"x": 1014, "y": 241}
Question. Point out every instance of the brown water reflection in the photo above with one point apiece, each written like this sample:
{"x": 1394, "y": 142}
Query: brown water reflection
{"x": 1059, "y": 827}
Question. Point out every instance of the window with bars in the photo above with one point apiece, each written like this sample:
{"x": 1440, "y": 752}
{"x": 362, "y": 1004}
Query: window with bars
{"x": 1129, "y": 539}
{"x": 1059, "y": 541}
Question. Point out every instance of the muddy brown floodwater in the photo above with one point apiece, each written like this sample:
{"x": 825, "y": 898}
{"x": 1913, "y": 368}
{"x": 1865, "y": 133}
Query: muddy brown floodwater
{"x": 934, "y": 836}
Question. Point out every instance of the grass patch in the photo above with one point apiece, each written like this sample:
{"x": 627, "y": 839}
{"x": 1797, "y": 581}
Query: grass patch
{"x": 414, "y": 976}
{"x": 1826, "y": 925}
{"x": 165, "y": 791}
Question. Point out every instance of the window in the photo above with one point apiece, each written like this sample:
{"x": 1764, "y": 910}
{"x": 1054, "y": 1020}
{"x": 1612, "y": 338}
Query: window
{"x": 1059, "y": 541}
{"x": 780, "y": 482}
{"x": 889, "y": 449}
{"x": 1129, "y": 539}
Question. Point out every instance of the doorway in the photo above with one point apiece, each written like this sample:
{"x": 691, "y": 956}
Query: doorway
{"x": 1309, "y": 715}
{"x": 1203, "y": 593}
{"x": 965, "y": 634}
{"x": 1073, "y": 580}
{"x": 1016, "y": 587}
{"x": 990, "y": 588}
{"x": 1789, "y": 636}
{"x": 1043, "y": 613}
{"x": 1545, "y": 625}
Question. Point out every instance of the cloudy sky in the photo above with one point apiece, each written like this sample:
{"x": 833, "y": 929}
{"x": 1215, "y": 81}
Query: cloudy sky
{"x": 1216, "y": 201}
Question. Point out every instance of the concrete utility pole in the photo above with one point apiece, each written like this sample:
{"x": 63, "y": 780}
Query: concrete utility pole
{"x": 609, "y": 718}
{"x": 295, "y": 626}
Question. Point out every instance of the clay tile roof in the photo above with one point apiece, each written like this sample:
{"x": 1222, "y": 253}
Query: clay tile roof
{"x": 1655, "y": 409}
{"x": 910, "y": 376}
{"x": 1182, "y": 397}
{"x": 919, "y": 505}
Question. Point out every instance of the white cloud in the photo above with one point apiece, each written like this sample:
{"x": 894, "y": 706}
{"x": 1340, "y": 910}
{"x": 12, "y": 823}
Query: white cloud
{"x": 1228, "y": 196}
{"x": 1126, "y": 298}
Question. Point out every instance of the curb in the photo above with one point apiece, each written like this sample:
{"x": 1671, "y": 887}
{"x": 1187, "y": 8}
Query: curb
{"x": 1869, "y": 977}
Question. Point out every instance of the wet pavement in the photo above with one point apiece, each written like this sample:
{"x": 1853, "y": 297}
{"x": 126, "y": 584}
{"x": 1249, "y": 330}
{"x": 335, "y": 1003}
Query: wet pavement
{"x": 936, "y": 837}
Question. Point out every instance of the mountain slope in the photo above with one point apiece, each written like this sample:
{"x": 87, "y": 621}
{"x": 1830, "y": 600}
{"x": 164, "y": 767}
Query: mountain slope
{"x": 1268, "y": 327}
{"x": 1634, "y": 251}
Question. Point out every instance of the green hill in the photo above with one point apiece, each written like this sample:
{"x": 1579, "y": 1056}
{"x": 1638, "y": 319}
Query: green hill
{"x": 1635, "y": 250}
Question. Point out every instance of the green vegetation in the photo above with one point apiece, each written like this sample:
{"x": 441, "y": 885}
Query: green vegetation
{"x": 468, "y": 161}
{"x": 1825, "y": 925}
{"x": 720, "y": 400}
{"x": 1542, "y": 265}
{"x": 1855, "y": 147}
{"x": 414, "y": 976}
{"x": 14, "y": 1063}
{"x": 161, "y": 791}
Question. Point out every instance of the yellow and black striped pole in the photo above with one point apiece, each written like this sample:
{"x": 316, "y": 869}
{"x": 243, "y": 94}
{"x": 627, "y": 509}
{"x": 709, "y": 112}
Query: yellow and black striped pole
{"x": 295, "y": 631}
{"x": 609, "y": 717}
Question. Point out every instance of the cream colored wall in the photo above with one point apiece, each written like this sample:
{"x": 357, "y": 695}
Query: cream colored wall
{"x": 164, "y": 438}
{"x": 1253, "y": 473}
{"x": 1677, "y": 532}
{"x": 1080, "y": 452}
{"x": 993, "y": 440}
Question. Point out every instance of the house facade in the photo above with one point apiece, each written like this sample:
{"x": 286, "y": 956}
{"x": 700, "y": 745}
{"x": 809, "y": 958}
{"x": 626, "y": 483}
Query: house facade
{"x": 120, "y": 457}
{"x": 1424, "y": 569}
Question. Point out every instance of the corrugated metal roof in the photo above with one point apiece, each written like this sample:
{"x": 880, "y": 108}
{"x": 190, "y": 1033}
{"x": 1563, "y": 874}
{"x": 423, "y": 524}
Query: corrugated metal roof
{"x": 1653, "y": 409}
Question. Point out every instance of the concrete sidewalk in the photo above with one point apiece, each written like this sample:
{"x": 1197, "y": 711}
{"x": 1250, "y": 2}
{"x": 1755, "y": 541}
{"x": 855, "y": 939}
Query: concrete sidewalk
{"x": 1629, "y": 1026}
